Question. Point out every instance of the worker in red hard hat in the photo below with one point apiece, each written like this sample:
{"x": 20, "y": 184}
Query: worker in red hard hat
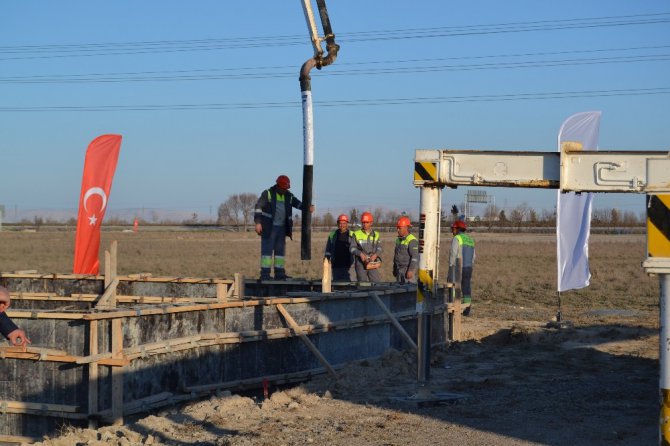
{"x": 461, "y": 261}
{"x": 337, "y": 249}
{"x": 274, "y": 222}
{"x": 366, "y": 249}
{"x": 406, "y": 255}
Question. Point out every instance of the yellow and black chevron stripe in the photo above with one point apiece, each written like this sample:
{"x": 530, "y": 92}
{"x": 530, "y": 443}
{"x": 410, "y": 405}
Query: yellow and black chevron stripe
{"x": 425, "y": 171}
{"x": 658, "y": 225}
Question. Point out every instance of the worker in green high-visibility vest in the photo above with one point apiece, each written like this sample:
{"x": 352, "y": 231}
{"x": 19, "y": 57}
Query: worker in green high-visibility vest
{"x": 461, "y": 261}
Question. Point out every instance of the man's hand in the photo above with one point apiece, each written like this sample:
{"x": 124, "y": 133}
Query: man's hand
{"x": 311, "y": 208}
{"x": 409, "y": 275}
{"x": 364, "y": 258}
{"x": 18, "y": 338}
{"x": 259, "y": 228}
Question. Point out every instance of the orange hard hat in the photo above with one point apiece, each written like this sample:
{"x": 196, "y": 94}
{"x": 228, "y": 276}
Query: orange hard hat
{"x": 403, "y": 221}
{"x": 366, "y": 217}
{"x": 458, "y": 224}
{"x": 284, "y": 182}
{"x": 343, "y": 217}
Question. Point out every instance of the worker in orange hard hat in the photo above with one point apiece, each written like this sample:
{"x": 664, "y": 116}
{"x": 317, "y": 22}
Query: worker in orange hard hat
{"x": 366, "y": 249}
{"x": 461, "y": 262}
{"x": 406, "y": 255}
{"x": 274, "y": 222}
{"x": 337, "y": 249}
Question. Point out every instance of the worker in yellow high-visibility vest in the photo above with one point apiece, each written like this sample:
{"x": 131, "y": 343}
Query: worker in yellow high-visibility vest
{"x": 461, "y": 261}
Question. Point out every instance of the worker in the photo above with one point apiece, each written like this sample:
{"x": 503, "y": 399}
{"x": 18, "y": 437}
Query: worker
{"x": 461, "y": 261}
{"x": 8, "y": 328}
{"x": 366, "y": 249}
{"x": 274, "y": 222}
{"x": 406, "y": 256}
{"x": 338, "y": 249}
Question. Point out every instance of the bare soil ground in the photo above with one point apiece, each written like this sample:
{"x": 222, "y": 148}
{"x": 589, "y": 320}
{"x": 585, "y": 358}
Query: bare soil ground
{"x": 518, "y": 382}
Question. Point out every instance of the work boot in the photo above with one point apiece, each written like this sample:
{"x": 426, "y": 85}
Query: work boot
{"x": 280, "y": 274}
{"x": 265, "y": 274}
{"x": 466, "y": 311}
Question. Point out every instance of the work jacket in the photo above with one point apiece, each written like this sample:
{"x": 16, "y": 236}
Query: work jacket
{"x": 463, "y": 248}
{"x": 345, "y": 259}
{"x": 406, "y": 256}
{"x": 266, "y": 206}
{"x": 6, "y": 325}
{"x": 367, "y": 244}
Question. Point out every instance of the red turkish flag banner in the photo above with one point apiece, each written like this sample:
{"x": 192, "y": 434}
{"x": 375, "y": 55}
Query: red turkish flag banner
{"x": 99, "y": 166}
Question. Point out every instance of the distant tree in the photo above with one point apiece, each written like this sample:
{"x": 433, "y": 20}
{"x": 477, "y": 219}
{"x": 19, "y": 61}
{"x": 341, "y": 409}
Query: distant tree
{"x": 532, "y": 216}
{"x": 377, "y": 215}
{"x": 548, "y": 217}
{"x": 39, "y": 221}
{"x": 353, "y": 214}
{"x": 502, "y": 217}
{"x": 600, "y": 217}
{"x": 615, "y": 219}
{"x": 391, "y": 216}
{"x": 328, "y": 220}
{"x": 490, "y": 215}
{"x": 629, "y": 219}
{"x": 519, "y": 214}
{"x": 238, "y": 210}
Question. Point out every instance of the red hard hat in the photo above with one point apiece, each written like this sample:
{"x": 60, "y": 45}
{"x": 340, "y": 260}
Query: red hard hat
{"x": 366, "y": 217}
{"x": 284, "y": 182}
{"x": 403, "y": 221}
{"x": 458, "y": 224}
{"x": 343, "y": 217}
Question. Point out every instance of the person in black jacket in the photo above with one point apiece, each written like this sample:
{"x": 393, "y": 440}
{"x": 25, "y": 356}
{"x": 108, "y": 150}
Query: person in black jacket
{"x": 8, "y": 328}
{"x": 274, "y": 222}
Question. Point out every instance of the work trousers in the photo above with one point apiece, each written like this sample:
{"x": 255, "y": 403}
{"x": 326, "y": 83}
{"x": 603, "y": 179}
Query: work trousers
{"x": 273, "y": 249}
{"x": 365, "y": 275}
{"x": 466, "y": 277}
{"x": 341, "y": 274}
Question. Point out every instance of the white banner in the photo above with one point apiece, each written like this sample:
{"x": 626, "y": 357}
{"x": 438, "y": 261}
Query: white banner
{"x": 573, "y": 211}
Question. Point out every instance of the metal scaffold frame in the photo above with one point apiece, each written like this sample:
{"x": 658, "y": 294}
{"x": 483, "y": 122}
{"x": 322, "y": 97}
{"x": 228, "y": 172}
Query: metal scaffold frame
{"x": 570, "y": 170}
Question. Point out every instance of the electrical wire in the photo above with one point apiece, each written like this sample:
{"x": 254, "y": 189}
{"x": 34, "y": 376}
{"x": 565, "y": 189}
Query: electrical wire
{"x": 350, "y": 102}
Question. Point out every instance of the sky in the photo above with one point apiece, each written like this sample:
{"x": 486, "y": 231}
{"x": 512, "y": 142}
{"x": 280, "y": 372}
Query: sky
{"x": 207, "y": 98}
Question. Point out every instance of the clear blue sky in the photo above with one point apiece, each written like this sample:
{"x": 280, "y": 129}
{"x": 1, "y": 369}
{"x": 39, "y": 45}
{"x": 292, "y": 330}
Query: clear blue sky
{"x": 423, "y": 54}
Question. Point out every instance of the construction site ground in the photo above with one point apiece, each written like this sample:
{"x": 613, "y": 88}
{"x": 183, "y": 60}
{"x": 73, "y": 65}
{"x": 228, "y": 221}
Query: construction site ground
{"x": 593, "y": 382}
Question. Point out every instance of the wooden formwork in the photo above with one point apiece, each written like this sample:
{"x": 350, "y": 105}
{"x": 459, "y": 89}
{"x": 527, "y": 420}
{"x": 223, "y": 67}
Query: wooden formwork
{"x": 105, "y": 347}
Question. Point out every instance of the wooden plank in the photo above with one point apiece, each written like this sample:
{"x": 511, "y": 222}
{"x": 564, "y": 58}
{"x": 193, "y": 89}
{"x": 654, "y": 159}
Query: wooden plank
{"x": 105, "y": 300}
{"x": 113, "y": 266}
{"x": 326, "y": 281}
{"x": 92, "y": 373}
{"x": 294, "y": 325}
{"x": 33, "y": 350}
{"x": 221, "y": 292}
{"x": 394, "y": 321}
{"x": 117, "y": 372}
{"x": 247, "y": 383}
{"x": 18, "y": 439}
{"x": 239, "y": 286}
{"x": 18, "y": 406}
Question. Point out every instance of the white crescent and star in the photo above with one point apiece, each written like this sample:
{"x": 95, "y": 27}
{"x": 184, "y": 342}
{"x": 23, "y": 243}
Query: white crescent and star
{"x": 89, "y": 193}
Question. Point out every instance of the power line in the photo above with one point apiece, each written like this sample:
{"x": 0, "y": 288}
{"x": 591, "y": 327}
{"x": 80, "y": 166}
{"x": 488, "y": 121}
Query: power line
{"x": 162, "y": 46}
{"x": 252, "y": 73}
{"x": 350, "y": 102}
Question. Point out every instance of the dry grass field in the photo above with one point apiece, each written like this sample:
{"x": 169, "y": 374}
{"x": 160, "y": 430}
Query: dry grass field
{"x": 593, "y": 384}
